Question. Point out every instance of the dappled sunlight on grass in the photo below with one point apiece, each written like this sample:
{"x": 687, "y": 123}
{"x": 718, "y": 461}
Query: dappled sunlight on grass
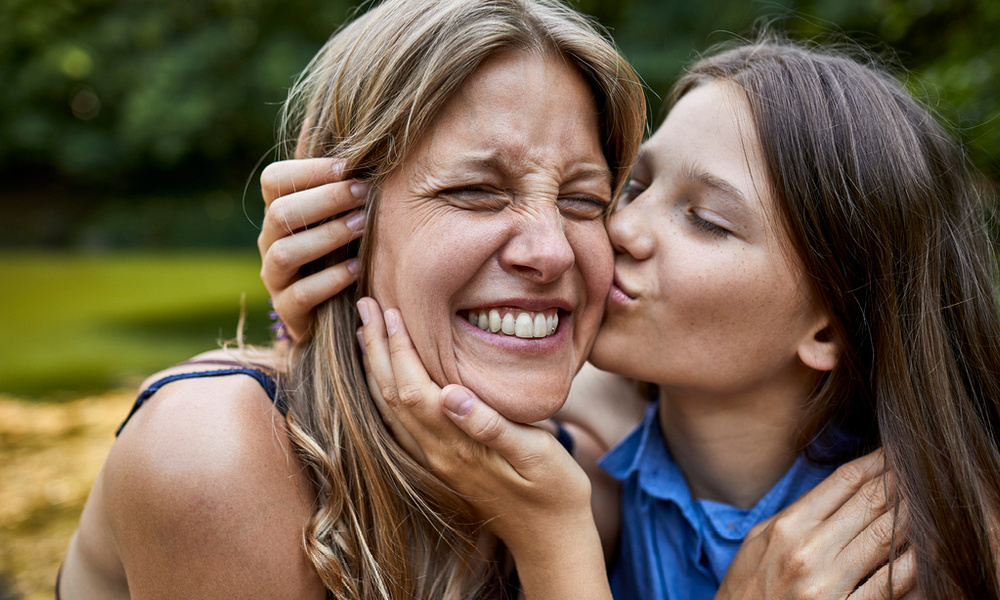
{"x": 51, "y": 453}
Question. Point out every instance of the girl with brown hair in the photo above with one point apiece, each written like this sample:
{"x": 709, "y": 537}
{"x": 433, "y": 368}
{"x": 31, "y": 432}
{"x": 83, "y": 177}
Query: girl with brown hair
{"x": 803, "y": 271}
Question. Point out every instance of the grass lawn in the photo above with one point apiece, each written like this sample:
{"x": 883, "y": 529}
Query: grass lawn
{"x": 79, "y": 332}
{"x": 86, "y": 323}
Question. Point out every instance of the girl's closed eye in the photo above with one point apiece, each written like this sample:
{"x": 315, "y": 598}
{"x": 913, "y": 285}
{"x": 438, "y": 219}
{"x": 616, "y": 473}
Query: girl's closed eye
{"x": 708, "y": 222}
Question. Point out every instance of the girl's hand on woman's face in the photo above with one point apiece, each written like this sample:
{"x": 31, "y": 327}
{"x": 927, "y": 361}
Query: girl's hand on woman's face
{"x": 517, "y": 478}
{"x": 833, "y": 542}
{"x": 309, "y": 212}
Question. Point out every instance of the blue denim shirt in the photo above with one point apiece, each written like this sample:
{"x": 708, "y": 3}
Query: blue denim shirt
{"x": 671, "y": 546}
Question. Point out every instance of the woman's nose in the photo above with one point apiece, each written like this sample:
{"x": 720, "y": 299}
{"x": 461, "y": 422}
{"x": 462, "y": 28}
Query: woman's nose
{"x": 539, "y": 249}
{"x": 629, "y": 234}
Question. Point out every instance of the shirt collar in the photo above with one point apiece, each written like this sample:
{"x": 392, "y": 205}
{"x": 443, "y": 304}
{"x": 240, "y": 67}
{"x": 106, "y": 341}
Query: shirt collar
{"x": 644, "y": 453}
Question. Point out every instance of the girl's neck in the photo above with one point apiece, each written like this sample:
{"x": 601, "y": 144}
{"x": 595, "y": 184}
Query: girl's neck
{"x": 733, "y": 448}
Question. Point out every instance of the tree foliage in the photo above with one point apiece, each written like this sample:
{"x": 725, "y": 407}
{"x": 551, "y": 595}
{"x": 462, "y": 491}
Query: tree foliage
{"x": 113, "y": 99}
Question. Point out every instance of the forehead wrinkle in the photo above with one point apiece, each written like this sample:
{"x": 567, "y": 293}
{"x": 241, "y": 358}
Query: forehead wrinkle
{"x": 512, "y": 165}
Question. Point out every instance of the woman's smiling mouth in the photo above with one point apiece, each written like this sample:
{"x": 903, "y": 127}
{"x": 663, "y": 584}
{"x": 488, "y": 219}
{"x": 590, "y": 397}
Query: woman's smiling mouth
{"x": 514, "y": 322}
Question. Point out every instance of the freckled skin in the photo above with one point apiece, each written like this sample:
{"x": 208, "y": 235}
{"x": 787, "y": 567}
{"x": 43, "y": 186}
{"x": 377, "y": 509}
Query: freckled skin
{"x": 501, "y": 206}
{"x": 711, "y": 313}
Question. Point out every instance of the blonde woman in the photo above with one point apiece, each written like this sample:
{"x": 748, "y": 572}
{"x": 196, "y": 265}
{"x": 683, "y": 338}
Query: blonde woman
{"x": 272, "y": 475}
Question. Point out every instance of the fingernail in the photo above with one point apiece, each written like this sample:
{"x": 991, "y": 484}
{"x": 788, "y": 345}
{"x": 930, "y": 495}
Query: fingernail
{"x": 363, "y": 311}
{"x": 352, "y": 268}
{"x": 459, "y": 401}
{"x": 338, "y": 169}
{"x": 356, "y": 221}
{"x": 390, "y": 322}
{"x": 361, "y": 340}
{"x": 359, "y": 189}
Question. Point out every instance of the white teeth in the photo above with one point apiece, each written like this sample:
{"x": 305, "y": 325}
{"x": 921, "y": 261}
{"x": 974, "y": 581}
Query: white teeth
{"x": 539, "y": 327}
{"x": 523, "y": 325}
{"x": 507, "y": 325}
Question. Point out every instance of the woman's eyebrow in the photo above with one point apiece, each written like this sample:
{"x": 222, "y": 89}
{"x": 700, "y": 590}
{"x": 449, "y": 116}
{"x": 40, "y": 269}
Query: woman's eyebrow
{"x": 496, "y": 162}
{"x": 587, "y": 172}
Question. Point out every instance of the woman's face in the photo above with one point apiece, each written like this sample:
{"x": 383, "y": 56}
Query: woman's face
{"x": 705, "y": 297}
{"x": 497, "y": 218}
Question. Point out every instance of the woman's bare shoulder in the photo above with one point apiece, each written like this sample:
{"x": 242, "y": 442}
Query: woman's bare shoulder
{"x": 203, "y": 481}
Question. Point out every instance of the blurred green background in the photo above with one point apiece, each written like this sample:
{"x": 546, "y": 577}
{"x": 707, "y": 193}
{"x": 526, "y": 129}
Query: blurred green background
{"x": 131, "y": 137}
{"x": 132, "y": 132}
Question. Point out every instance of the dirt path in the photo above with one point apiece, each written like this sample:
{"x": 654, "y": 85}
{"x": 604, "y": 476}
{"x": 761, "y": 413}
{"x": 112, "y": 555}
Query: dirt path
{"x": 50, "y": 454}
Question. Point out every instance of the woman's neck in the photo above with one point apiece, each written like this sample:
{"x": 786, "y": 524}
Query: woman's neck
{"x": 733, "y": 448}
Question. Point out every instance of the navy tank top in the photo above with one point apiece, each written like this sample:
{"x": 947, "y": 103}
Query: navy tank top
{"x": 233, "y": 368}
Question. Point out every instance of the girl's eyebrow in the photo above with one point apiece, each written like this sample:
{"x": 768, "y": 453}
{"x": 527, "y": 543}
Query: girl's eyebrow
{"x": 727, "y": 193}
{"x": 703, "y": 177}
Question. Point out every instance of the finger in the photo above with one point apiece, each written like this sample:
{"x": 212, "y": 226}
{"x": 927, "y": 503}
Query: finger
{"x": 833, "y": 492}
{"x": 294, "y": 304}
{"x": 858, "y": 535}
{"x": 295, "y": 211}
{"x": 413, "y": 399}
{"x": 401, "y": 435}
{"x": 903, "y": 580}
{"x": 287, "y": 176}
{"x": 881, "y": 535}
{"x": 284, "y": 259}
{"x": 416, "y": 393}
{"x": 376, "y": 343}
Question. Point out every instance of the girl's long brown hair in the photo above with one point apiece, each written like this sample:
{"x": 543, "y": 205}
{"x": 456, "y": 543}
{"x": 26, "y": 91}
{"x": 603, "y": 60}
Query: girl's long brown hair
{"x": 879, "y": 203}
{"x": 383, "y": 527}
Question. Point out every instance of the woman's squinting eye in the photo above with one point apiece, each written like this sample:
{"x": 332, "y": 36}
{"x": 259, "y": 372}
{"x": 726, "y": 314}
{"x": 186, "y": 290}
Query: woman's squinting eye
{"x": 707, "y": 226}
{"x": 477, "y": 197}
{"x": 583, "y": 206}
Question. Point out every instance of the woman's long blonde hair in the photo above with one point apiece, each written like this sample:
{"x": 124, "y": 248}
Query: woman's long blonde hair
{"x": 383, "y": 527}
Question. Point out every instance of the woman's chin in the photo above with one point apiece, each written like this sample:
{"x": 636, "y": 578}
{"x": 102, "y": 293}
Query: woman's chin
{"x": 526, "y": 406}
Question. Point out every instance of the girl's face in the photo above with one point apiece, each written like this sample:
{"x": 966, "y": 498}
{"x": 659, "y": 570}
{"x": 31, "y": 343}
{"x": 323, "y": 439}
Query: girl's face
{"x": 706, "y": 297}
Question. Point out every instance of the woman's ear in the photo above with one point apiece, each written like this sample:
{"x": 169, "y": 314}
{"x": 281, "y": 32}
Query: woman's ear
{"x": 820, "y": 348}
